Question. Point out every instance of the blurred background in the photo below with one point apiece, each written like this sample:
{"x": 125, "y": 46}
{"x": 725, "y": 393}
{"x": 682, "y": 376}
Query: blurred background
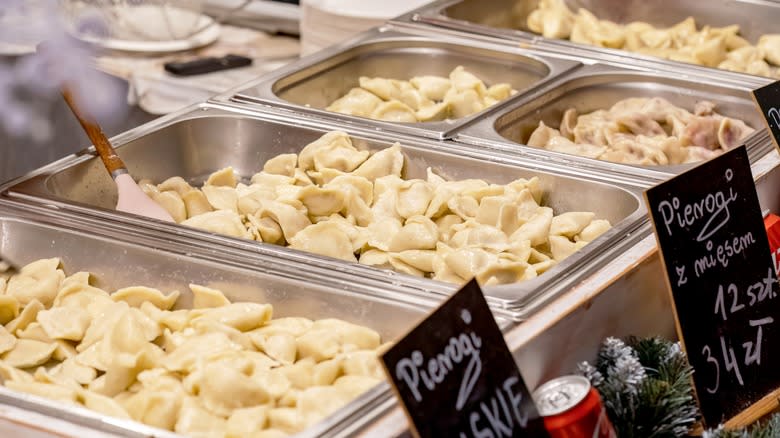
{"x": 112, "y": 54}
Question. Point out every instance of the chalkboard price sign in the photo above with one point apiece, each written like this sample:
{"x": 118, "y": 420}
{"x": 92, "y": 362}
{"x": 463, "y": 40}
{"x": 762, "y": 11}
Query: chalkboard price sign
{"x": 768, "y": 100}
{"x": 717, "y": 259}
{"x": 457, "y": 378}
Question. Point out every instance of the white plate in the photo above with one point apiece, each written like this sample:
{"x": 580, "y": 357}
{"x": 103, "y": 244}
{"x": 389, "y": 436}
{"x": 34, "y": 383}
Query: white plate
{"x": 143, "y": 29}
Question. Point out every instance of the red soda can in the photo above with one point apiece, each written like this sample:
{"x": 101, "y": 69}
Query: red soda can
{"x": 571, "y": 408}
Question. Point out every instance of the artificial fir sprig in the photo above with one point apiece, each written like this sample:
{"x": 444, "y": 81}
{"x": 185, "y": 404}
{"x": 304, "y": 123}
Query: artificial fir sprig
{"x": 645, "y": 386}
{"x": 770, "y": 429}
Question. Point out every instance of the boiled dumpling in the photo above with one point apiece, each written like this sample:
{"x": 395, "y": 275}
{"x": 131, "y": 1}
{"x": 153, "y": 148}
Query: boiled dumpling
{"x": 322, "y": 201}
{"x": 463, "y": 103}
{"x": 333, "y": 150}
{"x": 221, "y": 221}
{"x": 386, "y": 162}
{"x": 570, "y": 223}
{"x": 358, "y": 102}
{"x": 39, "y": 280}
{"x": 223, "y": 177}
{"x": 222, "y": 197}
{"x": 419, "y": 232}
{"x": 326, "y": 239}
{"x": 394, "y": 111}
{"x": 536, "y": 229}
{"x": 463, "y": 81}
{"x": 282, "y": 164}
{"x": 593, "y": 230}
{"x": 207, "y": 298}
{"x": 137, "y": 295}
{"x": 290, "y": 219}
{"x": 432, "y": 87}
{"x": 173, "y": 203}
{"x": 770, "y": 44}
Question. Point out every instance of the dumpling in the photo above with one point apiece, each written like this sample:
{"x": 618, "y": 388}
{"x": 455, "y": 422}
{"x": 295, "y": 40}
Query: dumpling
{"x": 385, "y": 89}
{"x": 434, "y": 112}
{"x": 282, "y": 164}
{"x": 394, "y": 111}
{"x": 324, "y": 238}
{"x": 176, "y": 184}
{"x": 173, "y": 203}
{"x": 39, "y": 280}
{"x": 432, "y": 87}
{"x": 195, "y": 202}
{"x": 222, "y": 197}
{"x": 28, "y": 315}
{"x": 64, "y": 323}
{"x": 247, "y": 422}
{"x": 223, "y": 177}
{"x": 241, "y": 316}
{"x": 475, "y": 235}
{"x": 322, "y": 201}
{"x": 561, "y": 247}
{"x": 770, "y": 44}
{"x": 27, "y": 353}
{"x": 7, "y": 340}
{"x": 195, "y": 420}
{"x": 9, "y": 308}
{"x": 463, "y": 103}
{"x": 221, "y": 221}
{"x": 419, "y": 232}
{"x": 137, "y": 295}
{"x": 290, "y": 219}
{"x": 505, "y": 273}
{"x": 552, "y": 19}
{"x": 467, "y": 262}
{"x": 570, "y": 223}
{"x": 386, "y": 162}
{"x": 463, "y": 81}
{"x": 207, "y": 298}
{"x": 593, "y": 230}
{"x": 536, "y": 229}
{"x": 357, "y": 102}
{"x": 413, "y": 198}
{"x": 223, "y": 389}
{"x": 333, "y": 150}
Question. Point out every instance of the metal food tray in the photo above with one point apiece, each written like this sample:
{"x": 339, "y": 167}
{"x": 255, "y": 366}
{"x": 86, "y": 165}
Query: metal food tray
{"x": 599, "y": 86}
{"x": 506, "y": 19}
{"x": 201, "y": 140}
{"x": 311, "y": 84}
{"x": 121, "y": 259}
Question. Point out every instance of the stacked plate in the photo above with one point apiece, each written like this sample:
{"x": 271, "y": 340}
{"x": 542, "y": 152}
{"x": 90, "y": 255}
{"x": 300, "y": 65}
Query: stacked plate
{"x": 327, "y": 22}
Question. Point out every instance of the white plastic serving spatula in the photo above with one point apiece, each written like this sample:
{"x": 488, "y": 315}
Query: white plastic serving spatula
{"x": 131, "y": 198}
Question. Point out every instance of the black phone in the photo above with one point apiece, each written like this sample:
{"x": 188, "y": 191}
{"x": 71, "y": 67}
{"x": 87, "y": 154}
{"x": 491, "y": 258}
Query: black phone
{"x": 206, "y": 65}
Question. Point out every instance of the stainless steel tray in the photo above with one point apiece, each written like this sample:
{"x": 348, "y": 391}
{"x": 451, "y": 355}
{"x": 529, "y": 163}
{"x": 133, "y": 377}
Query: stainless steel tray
{"x": 506, "y": 19}
{"x": 198, "y": 141}
{"x": 314, "y": 82}
{"x": 599, "y": 86}
{"x": 120, "y": 258}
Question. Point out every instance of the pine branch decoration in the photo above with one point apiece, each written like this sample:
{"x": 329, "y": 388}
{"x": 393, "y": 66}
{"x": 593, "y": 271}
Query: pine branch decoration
{"x": 645, "y": 386}
{"x": 770, "y": 429}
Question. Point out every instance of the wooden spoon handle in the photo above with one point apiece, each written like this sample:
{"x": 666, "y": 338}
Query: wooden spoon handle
{"x": 111, "y": 160}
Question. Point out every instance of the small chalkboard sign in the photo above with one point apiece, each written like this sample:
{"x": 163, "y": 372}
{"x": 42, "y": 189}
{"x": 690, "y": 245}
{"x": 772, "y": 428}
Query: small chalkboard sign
{"x": 456, "y": 377}
{"x": 724, "y": 291}
{"x": 768, "y": 100}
